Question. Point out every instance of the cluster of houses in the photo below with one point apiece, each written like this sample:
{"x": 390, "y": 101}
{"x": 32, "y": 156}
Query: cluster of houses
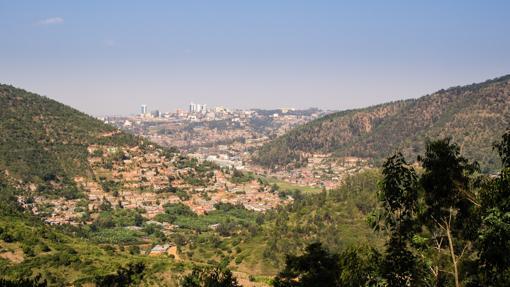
{"x": 140, "y": 179}
{"x": 321, "y": 170}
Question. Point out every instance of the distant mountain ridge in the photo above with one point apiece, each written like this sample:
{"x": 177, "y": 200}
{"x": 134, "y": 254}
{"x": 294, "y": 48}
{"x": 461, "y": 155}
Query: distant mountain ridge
{"x": 473, "y": 115}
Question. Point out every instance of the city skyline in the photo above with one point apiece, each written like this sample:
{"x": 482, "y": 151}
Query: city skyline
{"x": 193, "y": 107}
{"x": 109, "y": 57}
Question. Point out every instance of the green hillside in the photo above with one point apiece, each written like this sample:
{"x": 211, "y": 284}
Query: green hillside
{"x": 45, "y": 140}
{"x": 44, "y": 144}
{"x": 55, "y": 256}
{"x": 472, "y": 115}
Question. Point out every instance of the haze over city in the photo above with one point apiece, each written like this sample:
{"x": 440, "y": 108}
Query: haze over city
{"x": 110, "y": 57}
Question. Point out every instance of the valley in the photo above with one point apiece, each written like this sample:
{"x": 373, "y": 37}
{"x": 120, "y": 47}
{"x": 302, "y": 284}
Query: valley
{"x": 254, "y": 143}
{"x": 229, "y": 138}
{"x": 125, "y": 192}
{"x": 134, "y": 198}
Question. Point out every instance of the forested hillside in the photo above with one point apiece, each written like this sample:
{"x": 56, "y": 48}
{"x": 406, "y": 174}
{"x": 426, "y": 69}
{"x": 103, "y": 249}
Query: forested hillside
{"x": 472, "y": 115}
{"x": 45, "y": 140}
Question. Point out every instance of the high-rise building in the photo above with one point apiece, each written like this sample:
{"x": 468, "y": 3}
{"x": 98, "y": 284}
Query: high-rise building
{"x": 156, "y": 113}
{"x": 143, "y": 110}
{"x": 192, "y": 107}
{"x": 197, "y": 108}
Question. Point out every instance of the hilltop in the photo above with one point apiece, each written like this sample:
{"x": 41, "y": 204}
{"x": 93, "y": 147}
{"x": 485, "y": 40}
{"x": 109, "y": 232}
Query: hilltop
{"x": 45, "y": 140}
{"x": 473, "y": 115}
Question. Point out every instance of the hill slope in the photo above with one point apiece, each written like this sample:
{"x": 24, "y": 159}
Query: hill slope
{"x": 44, "y": 146}
{"x": 473, "y": 115}
{"x": 43, "y": 139}
{"x": 110, "y": 197}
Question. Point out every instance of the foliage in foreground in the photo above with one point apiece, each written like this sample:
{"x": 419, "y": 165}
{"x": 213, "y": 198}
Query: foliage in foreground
{"x": 129, "y": 276}
{"x": 36, "y": 282}
{"x": 447, "y": 225}
{"x": 217, "y": 276}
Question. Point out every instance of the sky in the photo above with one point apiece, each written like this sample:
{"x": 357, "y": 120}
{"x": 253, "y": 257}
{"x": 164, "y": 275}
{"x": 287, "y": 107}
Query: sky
{"x": 109, "y": 57}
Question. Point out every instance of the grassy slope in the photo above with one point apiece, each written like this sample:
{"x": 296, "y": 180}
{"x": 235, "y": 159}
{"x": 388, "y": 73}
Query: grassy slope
{"x": 289, "y": 187}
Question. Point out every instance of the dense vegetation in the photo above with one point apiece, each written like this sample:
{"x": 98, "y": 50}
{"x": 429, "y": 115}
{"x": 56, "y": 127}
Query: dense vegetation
{"x": 472, "y": 115}
{"x": 45, "y": 142}
{"x": 336, "y": 217}
{"x": 210, "y": 277}
{"x": 447, "y": 225}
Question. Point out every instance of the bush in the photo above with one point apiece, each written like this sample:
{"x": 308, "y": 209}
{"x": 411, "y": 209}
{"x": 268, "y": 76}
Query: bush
{"x": 134, "y": 250}
{"x": 129, "y": 276}
{"x": 208, "y": 277}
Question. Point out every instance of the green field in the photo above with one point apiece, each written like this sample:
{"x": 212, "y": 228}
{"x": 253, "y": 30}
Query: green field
{"x": 287, "y": 186}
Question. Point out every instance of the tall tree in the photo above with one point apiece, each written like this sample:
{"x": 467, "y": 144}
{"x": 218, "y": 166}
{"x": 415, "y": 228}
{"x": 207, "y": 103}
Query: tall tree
{"x": 449, "y": 201}
{"x": 131, "y": 275}
{"x": 399, "y": 196}
{"x": 494, "y": 233}
{"x": 316, "y": 268}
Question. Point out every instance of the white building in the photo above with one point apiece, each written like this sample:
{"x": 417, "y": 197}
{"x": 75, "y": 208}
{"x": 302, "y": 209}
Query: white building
{"x": 197, "y": 108}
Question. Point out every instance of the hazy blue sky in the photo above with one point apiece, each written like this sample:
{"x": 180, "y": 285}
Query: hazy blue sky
{"x": 108, "y": 57}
